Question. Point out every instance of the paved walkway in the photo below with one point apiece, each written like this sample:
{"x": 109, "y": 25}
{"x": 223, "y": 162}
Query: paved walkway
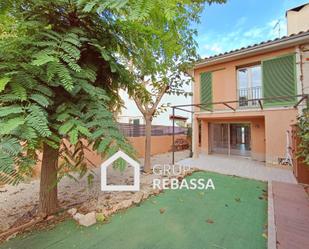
{"x": 239, "y": 166}
{"x": 291, "y": 206}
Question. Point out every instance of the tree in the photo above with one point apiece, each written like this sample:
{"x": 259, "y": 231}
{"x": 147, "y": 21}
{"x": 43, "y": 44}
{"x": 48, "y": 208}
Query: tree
{"x": 61, "y": 65}
{"x": 149, "y": 96}
{"x": 148, "y": 110}
{"x": 169, "y": 72}
{"x": 59, "y": 80}
{"x": 52, "y": 92}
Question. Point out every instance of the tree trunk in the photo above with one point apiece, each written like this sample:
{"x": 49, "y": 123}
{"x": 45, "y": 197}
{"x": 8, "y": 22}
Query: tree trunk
{"x": 48, "y": 202}
{"x": 147, "y": 162}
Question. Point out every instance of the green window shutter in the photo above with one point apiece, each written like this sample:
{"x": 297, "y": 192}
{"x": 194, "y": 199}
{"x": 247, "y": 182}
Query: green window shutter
{"x": 279, "y": 79}
{"x": 206, "y": 89}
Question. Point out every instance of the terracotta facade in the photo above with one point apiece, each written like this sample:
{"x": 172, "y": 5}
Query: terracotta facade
{"x": 268, "y": 126}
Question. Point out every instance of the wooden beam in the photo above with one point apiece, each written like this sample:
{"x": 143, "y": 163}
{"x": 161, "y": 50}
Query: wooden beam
{"x": 227, "y": 105}
{"x": 301, "y": 100}
{"x": 201, "y": 106}
{"x": 181, "y": 109}
{"x": 237, "y": 101}
{"x": 260, "y": 103}
{"x": 198, "y": 105}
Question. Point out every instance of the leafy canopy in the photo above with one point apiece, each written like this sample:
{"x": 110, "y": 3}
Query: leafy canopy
{"x": 62, "y": 63}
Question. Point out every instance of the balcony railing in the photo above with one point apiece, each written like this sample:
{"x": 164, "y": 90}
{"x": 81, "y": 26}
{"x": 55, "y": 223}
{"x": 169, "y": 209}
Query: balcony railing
{"x": 244, "y": 94}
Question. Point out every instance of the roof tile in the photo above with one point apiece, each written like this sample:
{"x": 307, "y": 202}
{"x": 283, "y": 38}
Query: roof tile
{"x": 250, "y": 46}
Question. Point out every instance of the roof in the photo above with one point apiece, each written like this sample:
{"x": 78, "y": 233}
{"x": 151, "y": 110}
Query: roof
{"x": 298, "y": 8}
{"x": 277, "y": 43}
{"x": 177, "y": 117}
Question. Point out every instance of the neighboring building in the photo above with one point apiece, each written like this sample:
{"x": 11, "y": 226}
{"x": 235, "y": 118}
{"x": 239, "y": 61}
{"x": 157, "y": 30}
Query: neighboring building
{"x": 234, "y": 125}
{"x": 298, "y": 19}
{"x": 130, "y": 111}
{"x": 137, "y": 120}
{"x": 180, "y": 121}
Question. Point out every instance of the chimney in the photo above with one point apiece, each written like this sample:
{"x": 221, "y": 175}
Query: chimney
{"x": 298, "y": 19}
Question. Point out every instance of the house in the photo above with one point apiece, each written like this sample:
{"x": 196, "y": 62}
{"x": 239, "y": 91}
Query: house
{"x": 246, "y": 100}
{"x": 136, "y": 120}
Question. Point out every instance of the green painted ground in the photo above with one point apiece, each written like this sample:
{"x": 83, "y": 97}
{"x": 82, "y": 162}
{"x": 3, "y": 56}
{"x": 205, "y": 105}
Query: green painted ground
{"x": 237, "y": 213}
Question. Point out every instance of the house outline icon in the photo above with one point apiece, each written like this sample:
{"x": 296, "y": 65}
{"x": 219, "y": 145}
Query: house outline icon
{"x": 108, "y": 162}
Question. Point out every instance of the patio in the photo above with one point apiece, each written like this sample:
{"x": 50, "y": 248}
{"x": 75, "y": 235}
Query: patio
{"x": 239, "y": 166}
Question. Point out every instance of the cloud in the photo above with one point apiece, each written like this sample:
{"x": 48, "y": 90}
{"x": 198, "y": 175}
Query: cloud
{"x": 241, "y": 21}
{"x": 255, "y": 32}
{"x": 214, "y": 48}
{"x": 212, "y": 43}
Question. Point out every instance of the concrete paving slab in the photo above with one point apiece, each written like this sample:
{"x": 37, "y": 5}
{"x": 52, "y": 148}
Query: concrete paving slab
{"x": 239, "y": 166}
{"x": 291, "y": 209}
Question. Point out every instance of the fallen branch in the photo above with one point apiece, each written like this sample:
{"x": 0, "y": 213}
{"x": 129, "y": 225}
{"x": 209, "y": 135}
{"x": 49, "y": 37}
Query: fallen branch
{"x": 17, "y": 229}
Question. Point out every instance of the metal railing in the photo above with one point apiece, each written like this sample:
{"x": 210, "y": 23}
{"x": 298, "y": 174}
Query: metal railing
{"x": 134, "y": 130}
{"x": 248, "y": 96}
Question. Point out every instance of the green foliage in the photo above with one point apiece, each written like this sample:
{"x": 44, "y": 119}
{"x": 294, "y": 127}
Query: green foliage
{"x": 100, "y": 217}
{"x": 9, "y": 125}
{"x": 303, "y": 124}
{"x": 3, "y": 83}
{"x": 10, "y": 154}
{"x": 51, "y": 91}
{"x": 37, "y": 119}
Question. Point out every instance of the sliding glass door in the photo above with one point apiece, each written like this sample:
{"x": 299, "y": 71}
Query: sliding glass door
{"x": 230, "y": 139}
{"x": 240, "y": 139}
{"x": 219, "y": 138}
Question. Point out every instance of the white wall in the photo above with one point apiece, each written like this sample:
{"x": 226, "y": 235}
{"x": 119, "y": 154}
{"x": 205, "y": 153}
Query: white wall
{"x": 162, "y": 119}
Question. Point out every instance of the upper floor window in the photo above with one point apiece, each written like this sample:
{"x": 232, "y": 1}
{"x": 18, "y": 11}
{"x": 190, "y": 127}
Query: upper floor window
{"x": 249, "y": 80}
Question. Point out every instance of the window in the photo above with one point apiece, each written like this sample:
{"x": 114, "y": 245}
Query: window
{"x": 135, "y": 121}
{"x": 249, "y": 85}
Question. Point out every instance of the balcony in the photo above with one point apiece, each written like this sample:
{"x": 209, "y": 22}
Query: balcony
{"x": 244, "y": 94}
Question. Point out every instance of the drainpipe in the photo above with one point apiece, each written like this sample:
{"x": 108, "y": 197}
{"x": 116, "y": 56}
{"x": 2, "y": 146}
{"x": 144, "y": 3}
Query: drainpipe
{"x": 299, "y": 73}
{"x": 299, "y": 51}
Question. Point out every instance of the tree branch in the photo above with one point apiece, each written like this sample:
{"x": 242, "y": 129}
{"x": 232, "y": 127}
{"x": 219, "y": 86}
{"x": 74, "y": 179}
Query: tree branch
{"x": 139, "y": 105}
{"x": 159, "y": 97}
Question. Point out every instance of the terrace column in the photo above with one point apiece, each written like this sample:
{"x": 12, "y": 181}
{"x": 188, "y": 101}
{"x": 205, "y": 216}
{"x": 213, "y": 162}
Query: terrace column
{"x": 195, "y": 142}
{"x": 204, "y": 137}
